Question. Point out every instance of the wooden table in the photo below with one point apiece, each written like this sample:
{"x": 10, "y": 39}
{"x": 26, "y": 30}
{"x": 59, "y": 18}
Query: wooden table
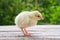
{"x": 38, "y": 32}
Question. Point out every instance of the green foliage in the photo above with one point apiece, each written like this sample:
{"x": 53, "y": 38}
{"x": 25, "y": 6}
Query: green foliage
{"x": 50, "y": 10}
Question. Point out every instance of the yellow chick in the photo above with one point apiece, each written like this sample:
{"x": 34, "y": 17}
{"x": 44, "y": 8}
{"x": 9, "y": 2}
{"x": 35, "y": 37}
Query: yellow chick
{"x": 27, "y": 19}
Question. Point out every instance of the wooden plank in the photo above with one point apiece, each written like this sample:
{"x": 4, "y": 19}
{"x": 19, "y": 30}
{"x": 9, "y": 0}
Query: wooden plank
{"x": 38, "y": 32}
{"x": 37, "y": 27}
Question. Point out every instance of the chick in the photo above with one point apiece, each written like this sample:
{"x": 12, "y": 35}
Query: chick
{"x": 27, "y": 19}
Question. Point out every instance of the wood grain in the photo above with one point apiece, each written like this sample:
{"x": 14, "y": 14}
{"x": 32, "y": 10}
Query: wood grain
{"x": 38, "y": 32}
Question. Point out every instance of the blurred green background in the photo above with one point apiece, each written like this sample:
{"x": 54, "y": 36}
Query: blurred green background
{"x": 50, "y": 10}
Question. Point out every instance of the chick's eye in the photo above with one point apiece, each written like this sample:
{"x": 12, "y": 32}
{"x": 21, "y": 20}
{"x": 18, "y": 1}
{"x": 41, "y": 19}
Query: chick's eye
{"x": 38, "y": 16}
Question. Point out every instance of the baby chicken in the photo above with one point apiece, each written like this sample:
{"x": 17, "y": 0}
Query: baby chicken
{"x": 27, "y": 19}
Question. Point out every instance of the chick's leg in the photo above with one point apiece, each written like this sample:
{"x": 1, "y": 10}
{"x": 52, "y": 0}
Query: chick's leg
{"x": 24, "y": 31}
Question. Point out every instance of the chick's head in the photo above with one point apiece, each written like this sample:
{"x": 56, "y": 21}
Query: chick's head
{"x": 37, "y": 15}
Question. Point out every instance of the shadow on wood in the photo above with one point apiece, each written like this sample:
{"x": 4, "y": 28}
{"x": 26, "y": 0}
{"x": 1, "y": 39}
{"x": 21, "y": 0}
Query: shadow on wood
{"x": 28, "y": 38}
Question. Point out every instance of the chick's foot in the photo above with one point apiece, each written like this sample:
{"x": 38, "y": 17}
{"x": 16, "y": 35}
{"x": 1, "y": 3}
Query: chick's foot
{"x": 25, "y": 32}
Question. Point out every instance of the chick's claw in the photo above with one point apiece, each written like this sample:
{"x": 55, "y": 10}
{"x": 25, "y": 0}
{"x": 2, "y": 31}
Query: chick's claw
{"x": 27, "y": 34}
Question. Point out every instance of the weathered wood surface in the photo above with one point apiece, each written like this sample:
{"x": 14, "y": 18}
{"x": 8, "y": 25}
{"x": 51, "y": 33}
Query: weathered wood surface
{"x": 38, "y": 32}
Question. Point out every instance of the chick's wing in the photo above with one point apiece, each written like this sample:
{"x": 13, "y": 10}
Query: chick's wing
{"x": 23, "y": 21}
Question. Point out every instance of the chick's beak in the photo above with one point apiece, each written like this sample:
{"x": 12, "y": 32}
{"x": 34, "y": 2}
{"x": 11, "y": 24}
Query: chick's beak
{"x": 41, "y": 18}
